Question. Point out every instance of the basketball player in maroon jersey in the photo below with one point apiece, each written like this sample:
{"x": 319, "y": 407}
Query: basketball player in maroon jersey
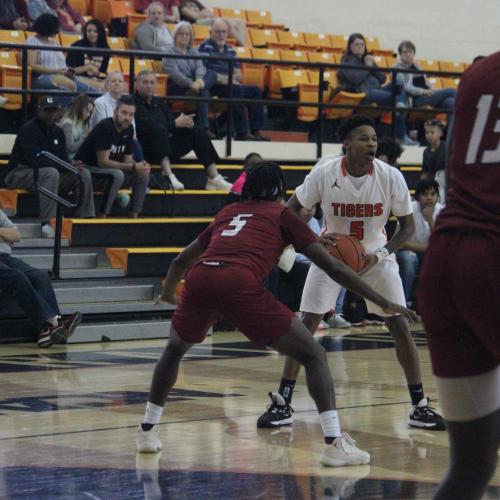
{"x": 459, "y": 289}
{"x": 228, "y": 263}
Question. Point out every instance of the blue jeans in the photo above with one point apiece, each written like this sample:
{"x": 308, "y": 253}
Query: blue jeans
{"x": 339, "y": 306}
{"x": 45, "y": 82}
{"x": 409, "y": 264}
{"x": 210, "y": 79}
{"x": 31, "y": 288}
{"x": 257, "y": 113}
{"x": 383, "y": 96}
{"x": 444, "y": 98}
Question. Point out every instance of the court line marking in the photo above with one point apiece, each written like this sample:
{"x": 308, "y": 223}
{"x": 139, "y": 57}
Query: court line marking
{"x": 187, "y": 421}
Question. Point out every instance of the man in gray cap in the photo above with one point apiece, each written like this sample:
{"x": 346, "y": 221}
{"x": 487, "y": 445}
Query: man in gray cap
{"x": 42, "y": 134}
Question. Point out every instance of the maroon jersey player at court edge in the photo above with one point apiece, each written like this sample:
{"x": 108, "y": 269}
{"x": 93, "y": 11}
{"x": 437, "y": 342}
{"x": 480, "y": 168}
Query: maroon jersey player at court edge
{"x": 228, "y": 262}
{"x": 460, "y": 293}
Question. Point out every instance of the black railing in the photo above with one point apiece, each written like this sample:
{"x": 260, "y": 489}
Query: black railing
{"x": 49, "y": 158}
{"x": 319, "y": 104}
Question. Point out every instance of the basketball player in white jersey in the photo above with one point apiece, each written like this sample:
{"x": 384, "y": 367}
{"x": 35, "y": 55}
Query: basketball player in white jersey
{"x": 357, "y": 193}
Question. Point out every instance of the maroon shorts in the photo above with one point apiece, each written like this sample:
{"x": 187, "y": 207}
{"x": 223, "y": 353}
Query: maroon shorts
{"x": 459, "y": 298}
{"x": 233, "y": 293}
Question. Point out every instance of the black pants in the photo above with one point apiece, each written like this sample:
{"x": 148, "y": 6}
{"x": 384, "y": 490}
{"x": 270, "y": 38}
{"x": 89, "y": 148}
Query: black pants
{"x": 30, "y": 287}
{"x": 184, "y": 140}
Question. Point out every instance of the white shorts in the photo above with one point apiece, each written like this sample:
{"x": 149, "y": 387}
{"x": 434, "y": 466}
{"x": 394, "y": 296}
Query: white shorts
{"x": 321, "y": 292}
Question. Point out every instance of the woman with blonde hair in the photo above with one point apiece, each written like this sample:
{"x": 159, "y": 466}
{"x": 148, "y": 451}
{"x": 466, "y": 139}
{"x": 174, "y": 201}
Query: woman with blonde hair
{"x": 76, "y": 123}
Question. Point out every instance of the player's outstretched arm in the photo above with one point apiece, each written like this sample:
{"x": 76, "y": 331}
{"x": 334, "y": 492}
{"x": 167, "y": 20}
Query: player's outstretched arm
{"x": 178, "y": 268}
{"x": 347, "y": 278}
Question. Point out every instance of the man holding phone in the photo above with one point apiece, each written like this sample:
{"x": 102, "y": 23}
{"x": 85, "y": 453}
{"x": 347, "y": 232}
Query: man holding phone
{"x": 165, "y": 138}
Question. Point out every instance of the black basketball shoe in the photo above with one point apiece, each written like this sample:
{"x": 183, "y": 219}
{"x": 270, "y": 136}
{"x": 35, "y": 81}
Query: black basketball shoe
{"x": 278, "y": 413}
{"x": 424, "y": 417}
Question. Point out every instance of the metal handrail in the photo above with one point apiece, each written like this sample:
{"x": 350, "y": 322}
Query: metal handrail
{"x": 59, "y": 201}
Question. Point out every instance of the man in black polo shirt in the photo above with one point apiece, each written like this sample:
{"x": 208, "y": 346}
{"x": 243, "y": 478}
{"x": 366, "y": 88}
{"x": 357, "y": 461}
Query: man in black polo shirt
{"x": 164, "y": 138}
{"x": 217, "y": 45}
{"x": 42, "y": 134}
{"x": 108, "y": 152}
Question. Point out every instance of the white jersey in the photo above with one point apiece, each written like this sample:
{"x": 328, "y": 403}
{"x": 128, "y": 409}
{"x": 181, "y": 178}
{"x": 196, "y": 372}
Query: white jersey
{"x": 359, "y": 206}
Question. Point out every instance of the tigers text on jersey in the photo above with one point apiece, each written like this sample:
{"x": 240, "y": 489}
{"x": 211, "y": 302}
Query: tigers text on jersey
{"x": 359, "y": 206}
{"x": 253, "y": 234}
{"x": 473, "y": 199}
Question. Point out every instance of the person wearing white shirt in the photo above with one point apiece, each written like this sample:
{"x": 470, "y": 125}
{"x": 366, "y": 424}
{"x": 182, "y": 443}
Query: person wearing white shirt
{"x": 425, "y": 210}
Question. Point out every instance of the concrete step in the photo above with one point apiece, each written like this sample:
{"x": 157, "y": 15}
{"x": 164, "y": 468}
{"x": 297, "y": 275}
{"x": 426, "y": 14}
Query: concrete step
{"x": 128, "y": 307}
{"x": 39, "y": 243}
{"x": 84, "y": 294}
{"x": 29, "y": 229}
{"x": 68, "y": 260}
{"x": 98, "y": 272}
{"x": 121, "y": 330}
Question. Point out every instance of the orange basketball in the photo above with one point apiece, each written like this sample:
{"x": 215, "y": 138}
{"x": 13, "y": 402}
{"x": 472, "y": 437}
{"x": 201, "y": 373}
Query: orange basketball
{"x": 349, "y": 250}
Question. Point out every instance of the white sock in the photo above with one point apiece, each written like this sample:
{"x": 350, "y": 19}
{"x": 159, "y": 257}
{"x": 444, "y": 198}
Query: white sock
{"x": 330, "y": 423}
{"x": 54, "y": 321}
{"x": 153, "y": 413}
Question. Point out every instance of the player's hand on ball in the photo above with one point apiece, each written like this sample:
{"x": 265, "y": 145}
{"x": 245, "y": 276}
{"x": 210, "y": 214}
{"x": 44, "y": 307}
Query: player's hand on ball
{"x": 397, "y": 309}
{"x": 371, "y": 260}
{"x": 328, "y": 240}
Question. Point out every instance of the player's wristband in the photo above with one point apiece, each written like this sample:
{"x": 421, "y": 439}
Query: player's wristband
{"x": 382, "y": 253}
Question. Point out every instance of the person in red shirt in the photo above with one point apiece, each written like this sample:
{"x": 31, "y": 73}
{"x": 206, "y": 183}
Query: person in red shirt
{"x": 227, "y": 265}
{"x": 459, "y": 292}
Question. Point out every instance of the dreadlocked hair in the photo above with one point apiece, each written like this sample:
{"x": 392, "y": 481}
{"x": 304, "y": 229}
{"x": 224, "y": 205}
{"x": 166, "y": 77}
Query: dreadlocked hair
{"x": 265, "y": 181}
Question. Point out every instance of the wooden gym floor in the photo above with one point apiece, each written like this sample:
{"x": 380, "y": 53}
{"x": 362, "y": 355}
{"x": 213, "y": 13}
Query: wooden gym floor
{"x": 68, "y": 417}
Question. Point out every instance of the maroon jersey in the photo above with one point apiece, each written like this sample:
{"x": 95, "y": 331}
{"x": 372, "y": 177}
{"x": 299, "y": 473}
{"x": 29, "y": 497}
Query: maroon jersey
{"x": 473, "y": 199}
{"x": 253, "y": 234}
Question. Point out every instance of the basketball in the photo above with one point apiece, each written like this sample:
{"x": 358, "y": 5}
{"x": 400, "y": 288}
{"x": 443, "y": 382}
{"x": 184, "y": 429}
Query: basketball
{"x": 349, "y": 250}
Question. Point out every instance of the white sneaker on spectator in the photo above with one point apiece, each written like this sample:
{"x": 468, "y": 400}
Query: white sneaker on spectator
{"x": 218, "y": 184}
{"x": 177, "y": 185}
{"x": 338, "y": 321}
{"x": 47, "y": 231}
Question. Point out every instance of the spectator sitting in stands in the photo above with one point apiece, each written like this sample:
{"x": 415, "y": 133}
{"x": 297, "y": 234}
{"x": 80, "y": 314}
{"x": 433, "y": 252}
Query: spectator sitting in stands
{"x": 107, "y": 151}
{"x": 105, "y": 105}
{"x": 49, "y": 70}
{"x": 71, "y": 21}
{"x": 171, "y": 9}
{"x": 434, "y": 160}
{"x": 94, "y": 66}
{"x": 369, "y": 79}
{"x": 38, "y": 7}
{"x": 419, "y": 91}
{"x": 425, "y": 210}
{"x": 42, "y": 134}
{"x": 194, "y": 11}
{"x": 217, "y": 45}
{"x": 32, "y": 290}
{"x": 14, "y": 15}
{"x": 164, "y": 138}
{"x": 153, "y": 34}
{"x": 389, "y": 150}
{"x": 75, "y": 123}
{"x": 188, "y": 76}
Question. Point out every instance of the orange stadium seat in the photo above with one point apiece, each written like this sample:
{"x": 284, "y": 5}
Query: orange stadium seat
{"x": 101, "y": 10}
{"x": 133, "y": 20}
{"x": 290, "y": 78}
{"x": 119, "y": 9}
{"x": 233, "y": 13}
{"x": 290, "y": 39}
{"x": 11, "y": 77}
{"x": 450, "y": 83}
{"x": 428, "y": 64}
{"x": 67, "y": 39}
{"x": 259, "y": 18}
{"x": 451, "y": 66}
{"x": 321, "y": 57}
{"x": 114, "y": 64}
{"x": 117, "y": 43}
{"x": 294, "y": 56}
{"x": 338, "y": 42}
{"x": 81, "y": 6}
{"x": 12, "y": 36}
{"x": 261, "y": 38}
{"x": 200, "y": 33}
{"x": 8, "y": 58}
{"x": 317, "y": 41}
